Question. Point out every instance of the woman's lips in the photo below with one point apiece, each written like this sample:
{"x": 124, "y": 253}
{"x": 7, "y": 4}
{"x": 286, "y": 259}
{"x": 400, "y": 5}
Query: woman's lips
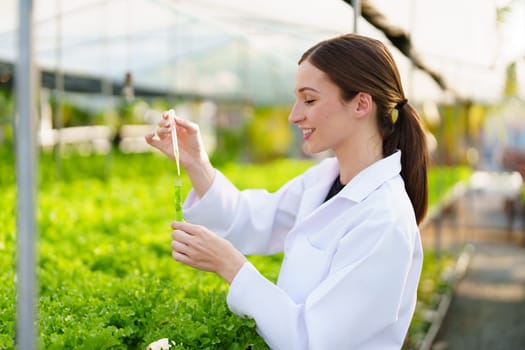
{"x": 307, "y": 133}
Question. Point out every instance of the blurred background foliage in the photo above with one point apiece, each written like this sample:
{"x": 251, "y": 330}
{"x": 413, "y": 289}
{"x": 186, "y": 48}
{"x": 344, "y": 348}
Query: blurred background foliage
{"x": 241, "y": 131}
{"x": 461, "y": 132}
{"x": 269, "y": 133}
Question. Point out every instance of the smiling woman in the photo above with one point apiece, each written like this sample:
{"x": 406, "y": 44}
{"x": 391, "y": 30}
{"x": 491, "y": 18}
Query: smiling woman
{"x": 348, "y": 226}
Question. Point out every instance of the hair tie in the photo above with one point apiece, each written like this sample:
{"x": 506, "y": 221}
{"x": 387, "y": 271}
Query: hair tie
{"x": 401, "y": 104}
{"x": 394, "y": 113}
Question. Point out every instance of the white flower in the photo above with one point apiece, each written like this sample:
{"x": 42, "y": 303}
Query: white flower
{"x": 161, "y": 344}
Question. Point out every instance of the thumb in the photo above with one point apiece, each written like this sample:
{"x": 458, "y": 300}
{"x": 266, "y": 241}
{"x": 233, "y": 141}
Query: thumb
{"x": 152, "y": 140}
{"x": 149, "y": 138}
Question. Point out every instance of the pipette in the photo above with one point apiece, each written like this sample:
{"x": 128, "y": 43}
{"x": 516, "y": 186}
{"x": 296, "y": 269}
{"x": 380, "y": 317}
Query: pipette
{"x": 175, "y": 144}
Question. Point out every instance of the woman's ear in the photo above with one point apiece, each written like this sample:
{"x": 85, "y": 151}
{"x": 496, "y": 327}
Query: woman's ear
{"x": 363, "y": 104}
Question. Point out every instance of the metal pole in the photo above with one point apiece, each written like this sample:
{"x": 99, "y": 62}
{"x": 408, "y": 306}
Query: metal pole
{"x": 25, "y": 166}
{"x": 59, "y": 91}
{"x": 410, "y": 79}
{"x": 356, "y": 4}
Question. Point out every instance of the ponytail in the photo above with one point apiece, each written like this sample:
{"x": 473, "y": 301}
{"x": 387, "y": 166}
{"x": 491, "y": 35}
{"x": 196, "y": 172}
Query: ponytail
{"x": 407, "y": 134}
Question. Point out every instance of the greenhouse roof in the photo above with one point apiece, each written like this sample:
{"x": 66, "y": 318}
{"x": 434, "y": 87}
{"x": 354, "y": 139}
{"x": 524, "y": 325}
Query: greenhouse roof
{"x": 247, "y": 49}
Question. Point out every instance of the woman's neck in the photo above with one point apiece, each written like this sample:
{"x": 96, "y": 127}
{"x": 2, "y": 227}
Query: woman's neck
{"x": 355, "y": 158}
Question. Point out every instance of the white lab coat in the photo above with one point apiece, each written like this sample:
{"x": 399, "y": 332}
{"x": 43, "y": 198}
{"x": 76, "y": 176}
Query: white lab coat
{"x": 351, "y": 265}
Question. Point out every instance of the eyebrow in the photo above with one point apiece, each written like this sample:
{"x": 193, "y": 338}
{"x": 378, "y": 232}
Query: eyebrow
{"x": 306, "y": 88}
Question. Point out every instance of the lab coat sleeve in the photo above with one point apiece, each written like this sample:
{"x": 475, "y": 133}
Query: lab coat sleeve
{"x": 279, "y": 320}
{"x": 255, "y": 221}
{"x": 358, "y": 300}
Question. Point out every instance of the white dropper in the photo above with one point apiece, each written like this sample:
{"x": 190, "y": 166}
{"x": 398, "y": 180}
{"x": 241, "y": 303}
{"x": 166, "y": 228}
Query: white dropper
{"x": 175, "y": 144}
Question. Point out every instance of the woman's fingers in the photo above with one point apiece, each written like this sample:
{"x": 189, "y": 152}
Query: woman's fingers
{"x": 180, "y": 247}
{"x": 188, "y": 228}
{"x": 163, "y": 122}
{"x": 164, "y": 127}
{"x": 161, "y": 131}
{"x": 180, "y": 257}
{"x": 186, "y": 124}
{"x": 181, "y": 236}
{"x": 150, "y": 138}
{"x": 196, "y": 243}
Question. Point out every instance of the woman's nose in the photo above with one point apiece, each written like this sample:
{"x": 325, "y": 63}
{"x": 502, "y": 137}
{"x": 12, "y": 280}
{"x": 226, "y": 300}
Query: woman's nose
{"x": 296, "y": 115}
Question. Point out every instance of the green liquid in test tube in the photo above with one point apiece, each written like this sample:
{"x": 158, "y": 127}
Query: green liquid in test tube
{"x": 178, "y": 199}
{"x": 178, "y": 182}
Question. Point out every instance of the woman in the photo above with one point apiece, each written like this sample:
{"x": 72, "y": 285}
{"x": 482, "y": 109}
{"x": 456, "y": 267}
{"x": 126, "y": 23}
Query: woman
{"x": 348, "y": 226}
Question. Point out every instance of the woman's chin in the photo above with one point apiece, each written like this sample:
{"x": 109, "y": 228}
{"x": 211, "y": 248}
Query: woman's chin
{"x": 311, "y": 150}
{"x": 307, "y": 149}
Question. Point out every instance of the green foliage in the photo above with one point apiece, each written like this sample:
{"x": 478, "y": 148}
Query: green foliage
{"x": 106, "y": 276}
{"x": 432, "y": 286}
{"x": 7, "y": 261}
{"x": 230, "y": 143}
{"x": 132, "y": 112}
{"x": 108, "y": 117}
{"x": 442, "y": 178}
{"x": 476, "y": 119}
{"x": 270, "y": 175}
{"x": 269, "y": 133}
{"x": 6, "y": 116}
{"x": 511, "y": 82}
{"x": 71, "y": 113}
{"x": 6, "y": 106}
{"x": 7, "y": 166}
{"x": 458, "y": 128}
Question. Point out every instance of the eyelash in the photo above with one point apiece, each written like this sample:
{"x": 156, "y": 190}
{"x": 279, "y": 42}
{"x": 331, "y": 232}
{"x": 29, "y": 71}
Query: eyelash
{"x": 309, "y": 102}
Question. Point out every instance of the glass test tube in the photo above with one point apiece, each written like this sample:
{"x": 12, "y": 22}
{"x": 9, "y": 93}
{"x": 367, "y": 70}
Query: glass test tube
{"x": 178, "y": 199}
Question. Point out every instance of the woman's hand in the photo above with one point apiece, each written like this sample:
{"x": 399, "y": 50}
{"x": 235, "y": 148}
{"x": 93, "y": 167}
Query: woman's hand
{"x": 198, "y": 247}
{"x": 191, "y": 148}
{"x": 192, "y": 155}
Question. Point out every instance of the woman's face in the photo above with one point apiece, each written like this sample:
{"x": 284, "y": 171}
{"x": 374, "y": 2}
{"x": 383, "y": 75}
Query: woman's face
{"x": 319, "y": 111}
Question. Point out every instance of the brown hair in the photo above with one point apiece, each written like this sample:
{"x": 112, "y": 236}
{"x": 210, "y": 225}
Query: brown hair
{"x": 357, "y": 63}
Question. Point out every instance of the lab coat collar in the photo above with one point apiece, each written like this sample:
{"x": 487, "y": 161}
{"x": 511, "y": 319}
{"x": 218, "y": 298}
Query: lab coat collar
{"x": 318, "y": 186}
{"x": 372, "y": 177}
{"x": 356, "y": 190}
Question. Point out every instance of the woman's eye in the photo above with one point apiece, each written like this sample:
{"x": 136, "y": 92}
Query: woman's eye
{"x": 309, "y": 102}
